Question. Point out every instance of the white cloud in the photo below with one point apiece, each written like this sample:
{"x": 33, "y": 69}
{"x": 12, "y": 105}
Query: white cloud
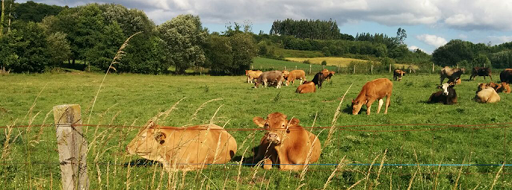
{"x": 414, "y": 48}
{"x": 432, "y": 40}
{"x": 461, "y": 14}
{"x": 500, "y": 39}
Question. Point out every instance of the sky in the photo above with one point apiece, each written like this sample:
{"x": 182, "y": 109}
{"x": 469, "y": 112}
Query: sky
{"x": 429, "y": 23}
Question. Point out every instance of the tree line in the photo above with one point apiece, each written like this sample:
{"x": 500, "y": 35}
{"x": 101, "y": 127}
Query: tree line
{"x": 36, "y": 37}
{"x": 43, "y": 37}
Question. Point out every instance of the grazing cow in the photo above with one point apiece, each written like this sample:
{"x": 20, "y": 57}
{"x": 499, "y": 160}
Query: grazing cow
{"x": 329, "y": 75}
{"x": 295, "y": 74}
{"x": 285, "y": 74}
{"x": 453, "y": 74}
{"x": 286, "y": 143}
{"x": 480, "y": 71}
{"x": 446, "y": 96}
{"x": 398, "y": 74}
{"x": 506, "y": 76}
{"x": 373, "y": 90}
{"x": 307, "y": 87}
{"x": 184, "y": 148}
{"x": 270, "y": 78}
{"x": 486, "y": 94}
{"x": 252, "y": 74}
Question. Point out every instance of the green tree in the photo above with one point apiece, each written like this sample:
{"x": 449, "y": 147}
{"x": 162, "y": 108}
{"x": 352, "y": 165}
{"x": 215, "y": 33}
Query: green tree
{"x": 481, "y": 61}
{"x": 244, "y": 49}
{"x": 185, "y": 38}
{"x": 58, "y": 48}
{"x": 452, "y": 53}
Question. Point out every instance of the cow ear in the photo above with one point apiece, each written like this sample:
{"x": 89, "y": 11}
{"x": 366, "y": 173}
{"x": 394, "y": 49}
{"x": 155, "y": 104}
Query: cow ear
{"x": 439, "y": 87}
{"x": 260, "y": 122}
{"x": 160, "y": 137}
{"x": 294, "y": 122}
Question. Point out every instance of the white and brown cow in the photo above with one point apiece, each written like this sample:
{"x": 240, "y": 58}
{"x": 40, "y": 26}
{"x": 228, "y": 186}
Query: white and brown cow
{"x": 398, "y": 74}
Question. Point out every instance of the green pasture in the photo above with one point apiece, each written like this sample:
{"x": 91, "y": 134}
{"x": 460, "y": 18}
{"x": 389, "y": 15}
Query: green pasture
{"x": 29, "y": 158}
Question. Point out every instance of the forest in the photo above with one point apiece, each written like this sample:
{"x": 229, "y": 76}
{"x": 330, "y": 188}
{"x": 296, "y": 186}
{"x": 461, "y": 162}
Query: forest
{"x": 37, "y": 38}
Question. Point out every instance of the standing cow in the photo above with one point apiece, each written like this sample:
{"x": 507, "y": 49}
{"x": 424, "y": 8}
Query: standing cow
{"x": 252, "y": 74}
{"x": 453, "y": 74}
{"x": 373, "y": 90}
{"x": 398, "y": 74}
{"x": 270, "y": 78}
{"x": 295, "y": 74}
{"x": 506, "y": 76}
{"x": 286, "y": 143}
{"x": 480, "y": 71}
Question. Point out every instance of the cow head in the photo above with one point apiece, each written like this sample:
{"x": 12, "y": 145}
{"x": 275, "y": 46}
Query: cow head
{"x": 277, "y": 127}
{"x": 356, "y": 106}
{"x": 147, "y": 142}
{"x": 247, "y": 72}
{"x": 285, "y": 74}
{"x": 445, "y": 87}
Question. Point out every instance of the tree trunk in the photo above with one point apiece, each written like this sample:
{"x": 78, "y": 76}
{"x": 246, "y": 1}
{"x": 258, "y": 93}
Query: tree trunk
{"x": 2, "y": 19}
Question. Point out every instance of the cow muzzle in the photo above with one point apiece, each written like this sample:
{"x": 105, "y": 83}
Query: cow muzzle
{"x": 273, "y": 138}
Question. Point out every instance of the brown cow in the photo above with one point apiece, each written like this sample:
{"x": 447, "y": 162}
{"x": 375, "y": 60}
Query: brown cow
{"x": 480, "y": 71}
{"x": 286, "y": 143}
{"x": 252, "y": 74}
{"x": 307, "y": 87}
{"x": 506, "y": 76}
{"x": 503, "y": 87}
{"x": 486, "y": 94}
{"x": 295, "y": 74}
{"x": 398, "y": 74}
{"x": 270, "y": 78}
{"x": 184, "y": 148}
{"x": 373, "y": 90}
{"x": 453, "y": 74}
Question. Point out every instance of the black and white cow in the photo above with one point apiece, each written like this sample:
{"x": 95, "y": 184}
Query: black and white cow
{"x": 446, "y": 96}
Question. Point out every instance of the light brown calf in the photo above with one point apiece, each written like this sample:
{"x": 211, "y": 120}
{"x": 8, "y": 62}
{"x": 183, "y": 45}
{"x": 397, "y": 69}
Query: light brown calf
{"x": 295, "y": 74}
{"x": 251, "y": 75}
{"x": 374, "y": 90}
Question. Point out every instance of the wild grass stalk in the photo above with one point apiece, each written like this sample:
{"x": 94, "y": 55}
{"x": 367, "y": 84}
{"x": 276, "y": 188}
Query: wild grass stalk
{"x": 380, "y": 169}
{"x": 367, "y": 178}
{"x": 37, "y": 138}
{"x": 194, "y": 116}
{"x": 416, "y": 172}
{"x": 497, "y": 176}
{"x": 338, "y": 167}
{"x": 458, "y": 176}
{"x": 115, "y": 60}
{"x": 335, "y": 118}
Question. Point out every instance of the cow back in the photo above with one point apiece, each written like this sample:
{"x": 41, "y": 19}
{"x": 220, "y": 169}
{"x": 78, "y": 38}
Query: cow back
{"x": 506, "y": 76}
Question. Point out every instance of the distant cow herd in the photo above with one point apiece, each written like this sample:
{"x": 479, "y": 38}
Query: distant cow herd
{"x": 286, "y": 143}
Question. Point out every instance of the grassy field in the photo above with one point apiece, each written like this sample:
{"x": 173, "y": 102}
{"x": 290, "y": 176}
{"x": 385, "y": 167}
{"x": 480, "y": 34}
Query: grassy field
{"x": 272, "y": 64}
{"x": 335, "y": 61}
{"x": 29, "y": 157}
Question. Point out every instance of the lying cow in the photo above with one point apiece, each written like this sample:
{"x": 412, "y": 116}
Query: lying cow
{"x": 307, "y": 87}
{"x": 506, "y": 76}
{"x": 270, "y": 78}
{"x": 480, "y": 71}
{"x": 486, "y": 94}
{"x": 184, "y": 148}
{"x": 373, "y": 90}
{"x": 453, "y": 74}
{"x": 503, "y": 87}
{"x": 447, "y": 95}
{"x": 398, "y": 74}
{"x": 252, "y": 75}
{"x": 295, "y": 74}
{"x": 286, "y": 143}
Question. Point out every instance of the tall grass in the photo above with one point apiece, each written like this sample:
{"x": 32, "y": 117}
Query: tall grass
{"x": 132, "y": 100}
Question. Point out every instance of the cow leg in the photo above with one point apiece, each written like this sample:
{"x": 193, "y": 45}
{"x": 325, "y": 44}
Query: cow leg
{"x": 381, "y": 101}
{"x": 369, "y": 106}
{"x": 388, "y": 102}
{"x": 490, "y": 76}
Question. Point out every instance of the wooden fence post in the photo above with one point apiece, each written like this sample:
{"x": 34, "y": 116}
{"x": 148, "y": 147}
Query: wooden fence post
{"x": 309, "y": 69}
{"x": 295, "y": 67}
{"x": 371, "y": 69}
{"x": 389, "y": 68}
{"x": 432, "y": 67}
{"x": 354, "y": 69}
{"x": 285, "y": 68}
{"x": 72, "y": 147}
